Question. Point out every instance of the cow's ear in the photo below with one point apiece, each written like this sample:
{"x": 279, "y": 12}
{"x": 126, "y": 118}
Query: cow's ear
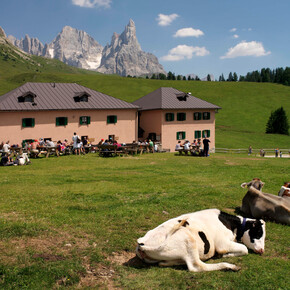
{"x": 243, "y": 185}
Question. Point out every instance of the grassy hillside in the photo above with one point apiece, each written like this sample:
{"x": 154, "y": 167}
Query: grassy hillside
{"x": 246, "y": 107}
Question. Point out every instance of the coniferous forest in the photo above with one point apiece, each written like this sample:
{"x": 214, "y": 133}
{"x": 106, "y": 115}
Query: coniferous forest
{"x": 265, "y": 75}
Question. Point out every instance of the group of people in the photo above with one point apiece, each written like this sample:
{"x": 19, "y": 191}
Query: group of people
{"x": 195, "y": 148}
{"x": 263, "y": 153}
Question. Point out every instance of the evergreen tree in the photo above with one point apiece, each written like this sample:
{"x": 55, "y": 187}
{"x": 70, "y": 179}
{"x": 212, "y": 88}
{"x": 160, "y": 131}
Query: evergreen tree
{"x": 278, "y": 123}
{"x": 184, "y": 78}
{"x": 235, "y": 77}
{"x": 208, "y": 78}
{"x": 189, "y": 78}
{"x": 153, "y": 77}
{"x": 230, "y": 78}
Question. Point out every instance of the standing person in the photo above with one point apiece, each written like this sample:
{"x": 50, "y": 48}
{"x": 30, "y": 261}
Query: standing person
{"x": 250, "y": 150}
{"x": 276, "y": 152}
{"x": 151, "y": 146}
{"x": 77, "y": 143}
{"x": 205, "y": 146}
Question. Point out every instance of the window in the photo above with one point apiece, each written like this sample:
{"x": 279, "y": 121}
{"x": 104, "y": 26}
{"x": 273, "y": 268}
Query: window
{"x": 197, "y": 134}
{"x": 152, "y": 136}
{"x": 27, "y": 97}
{"x": 197, "y": 116}
{"x": 61, "y": 121}
{"x": 205, "y": 133}
{"x": 169, "y": 117}
{"x": 206, "y": 115}
{"x": 28, "y": 122}
{"x": 112, "y": 119}
{"x": 81, "y": 97}
{"x": 180, "y": 135}
{"x": 181, "y": 116}
{"x": 85, "y": 120}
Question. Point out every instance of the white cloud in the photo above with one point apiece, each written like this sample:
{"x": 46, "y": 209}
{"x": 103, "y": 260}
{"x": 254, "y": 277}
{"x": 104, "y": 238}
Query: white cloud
{"x": 92, "y": 3}
{"x": 244, "y": 48}
{"x": 188, "y": 32}
{"x": 181, "y": 52}
{"x": 235, "y": 36}
{"x": 233, "y": 29}
{"x": 165, "y": 20}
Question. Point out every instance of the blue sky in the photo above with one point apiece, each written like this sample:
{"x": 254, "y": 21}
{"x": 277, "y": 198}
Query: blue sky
{"x": 187, "y": 36}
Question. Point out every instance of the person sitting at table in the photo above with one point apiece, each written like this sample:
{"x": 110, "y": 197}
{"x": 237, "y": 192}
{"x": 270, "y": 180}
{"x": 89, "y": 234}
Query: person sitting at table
{"x": 33, "y": 148}
{"x": 60, "y": 147}
{"x": 6, "y": 147}
{"x": 41, "y": 142}
{"x": 178, "y": 147}
{"x": 186, "y": 147}
{"x": 49, "y": 143}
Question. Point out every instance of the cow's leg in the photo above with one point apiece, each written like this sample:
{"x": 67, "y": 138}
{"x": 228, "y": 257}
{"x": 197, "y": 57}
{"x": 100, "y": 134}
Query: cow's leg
{"x": 194, "y": 263}
{"x": 232, "y": 249}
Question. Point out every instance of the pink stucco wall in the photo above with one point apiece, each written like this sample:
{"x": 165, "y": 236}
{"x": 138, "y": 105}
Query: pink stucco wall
{"x": 154, "y": 121}
{"x": 45, "y": 125}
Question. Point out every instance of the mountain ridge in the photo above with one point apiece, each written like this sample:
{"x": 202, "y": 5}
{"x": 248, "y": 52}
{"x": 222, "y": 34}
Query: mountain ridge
{"x": 123, "y": 56}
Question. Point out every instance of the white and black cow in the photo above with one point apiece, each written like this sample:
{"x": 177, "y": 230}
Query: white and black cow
{"x": 195, "y": 237}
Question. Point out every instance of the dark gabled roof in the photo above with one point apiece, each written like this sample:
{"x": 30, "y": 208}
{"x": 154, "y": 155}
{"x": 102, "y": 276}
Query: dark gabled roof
{"x": 59, "y": 96}
{"x": 170, "y": 98}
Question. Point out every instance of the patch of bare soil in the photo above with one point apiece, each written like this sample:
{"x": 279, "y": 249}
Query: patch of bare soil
{"x": 99, "y": 277}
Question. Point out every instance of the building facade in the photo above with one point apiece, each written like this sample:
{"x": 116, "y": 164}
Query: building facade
{"x": 168, "y": 115}
{"x": 56, "y": 110}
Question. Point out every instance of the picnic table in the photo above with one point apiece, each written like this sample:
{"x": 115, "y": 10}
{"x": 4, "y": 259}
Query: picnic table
{"x": 48, "y": 151}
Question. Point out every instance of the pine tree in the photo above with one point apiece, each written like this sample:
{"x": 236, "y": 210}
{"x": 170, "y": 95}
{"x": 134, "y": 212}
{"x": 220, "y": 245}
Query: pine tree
{"x": 208, "y": 78}
{"x": 278, "y": 123}
{"x": 230, "y": 78}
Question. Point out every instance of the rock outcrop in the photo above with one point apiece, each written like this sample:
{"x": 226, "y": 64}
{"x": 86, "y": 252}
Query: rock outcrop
{"x": 75, "y": 48}
{"x": 124, "y": 56}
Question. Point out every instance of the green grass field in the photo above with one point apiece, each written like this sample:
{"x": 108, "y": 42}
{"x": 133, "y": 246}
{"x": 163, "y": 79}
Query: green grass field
{"x": 74, "y": 220}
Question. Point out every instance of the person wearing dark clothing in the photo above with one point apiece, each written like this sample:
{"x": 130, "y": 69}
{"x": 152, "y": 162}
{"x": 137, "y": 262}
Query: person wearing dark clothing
{"x": 205, "y": 146}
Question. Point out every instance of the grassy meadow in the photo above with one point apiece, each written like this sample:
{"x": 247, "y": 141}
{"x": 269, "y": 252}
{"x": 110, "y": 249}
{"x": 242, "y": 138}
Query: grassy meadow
{"x": 73, "y": 221}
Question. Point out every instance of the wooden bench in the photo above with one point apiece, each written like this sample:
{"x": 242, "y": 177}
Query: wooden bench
{"x": 108, "y": 150}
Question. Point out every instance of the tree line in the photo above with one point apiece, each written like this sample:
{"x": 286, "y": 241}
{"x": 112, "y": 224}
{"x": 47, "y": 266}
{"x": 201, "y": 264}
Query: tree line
{"x": 265, "y": 75}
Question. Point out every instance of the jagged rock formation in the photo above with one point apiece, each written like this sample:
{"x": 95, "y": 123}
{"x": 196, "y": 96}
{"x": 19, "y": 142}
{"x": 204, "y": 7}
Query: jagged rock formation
{"x": 76, "y": 48}
{"x": 124, "y": 56}
{"x": 29, "y": 45}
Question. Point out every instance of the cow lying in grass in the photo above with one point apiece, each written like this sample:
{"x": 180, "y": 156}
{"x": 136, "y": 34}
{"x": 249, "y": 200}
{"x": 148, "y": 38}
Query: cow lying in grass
{"x": 258, "y": 204}
{"x": 195, "y": 237}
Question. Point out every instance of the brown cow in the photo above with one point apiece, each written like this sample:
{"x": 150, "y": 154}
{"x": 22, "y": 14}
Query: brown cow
{"x": 264, "y": 205}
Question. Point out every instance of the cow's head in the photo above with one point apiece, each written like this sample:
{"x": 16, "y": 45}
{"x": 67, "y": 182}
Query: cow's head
{"x": 254, "y": 235}
{"x": 256, "y": 183}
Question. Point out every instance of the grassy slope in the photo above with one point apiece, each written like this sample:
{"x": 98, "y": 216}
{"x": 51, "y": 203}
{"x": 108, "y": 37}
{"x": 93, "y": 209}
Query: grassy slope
{"x": 65, "y": 226}
{"x": 246, "y": 107}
